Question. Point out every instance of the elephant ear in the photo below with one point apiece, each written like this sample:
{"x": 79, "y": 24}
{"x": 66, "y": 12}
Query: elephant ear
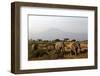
{"x": 78, "y": 43}
{"x": 73, "y": 44}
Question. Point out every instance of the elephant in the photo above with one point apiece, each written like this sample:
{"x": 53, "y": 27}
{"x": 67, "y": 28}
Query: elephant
{"x": 75, "y": 47}
{"x": 50, "y": 47}
{"x": 59, "y": 47}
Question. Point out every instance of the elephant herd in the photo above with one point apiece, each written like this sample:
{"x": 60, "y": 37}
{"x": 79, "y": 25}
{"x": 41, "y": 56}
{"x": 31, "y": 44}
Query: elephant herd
{"x": 59, "y": 48}
{"x": 72, "y": 48}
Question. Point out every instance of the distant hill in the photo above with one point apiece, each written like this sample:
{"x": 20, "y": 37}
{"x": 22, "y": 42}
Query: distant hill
{"x": 52, "y": 34}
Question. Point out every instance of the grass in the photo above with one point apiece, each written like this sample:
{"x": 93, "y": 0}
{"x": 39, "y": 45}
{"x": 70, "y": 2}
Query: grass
{"x": 40, "y": 54}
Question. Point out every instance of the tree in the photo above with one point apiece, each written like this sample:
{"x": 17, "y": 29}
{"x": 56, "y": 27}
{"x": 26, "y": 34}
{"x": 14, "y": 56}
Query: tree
{"x": 66, "y": 39}
{"x": 39, "y": 39}
{"x": 73, "y": 40}
{"x": 46, "y": 41}
{"x": 57, "y": 40}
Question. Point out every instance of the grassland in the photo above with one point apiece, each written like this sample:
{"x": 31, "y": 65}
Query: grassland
{"x": 45, "y": 50}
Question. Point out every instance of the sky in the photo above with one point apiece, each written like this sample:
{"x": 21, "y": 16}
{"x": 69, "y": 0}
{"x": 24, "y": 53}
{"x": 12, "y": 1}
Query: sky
{"x": 41, "y": 23}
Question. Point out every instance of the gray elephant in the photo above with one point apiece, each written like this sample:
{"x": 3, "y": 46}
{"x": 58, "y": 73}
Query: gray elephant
{"x": 75, "y": 47}
{"x": 59, "y": 47}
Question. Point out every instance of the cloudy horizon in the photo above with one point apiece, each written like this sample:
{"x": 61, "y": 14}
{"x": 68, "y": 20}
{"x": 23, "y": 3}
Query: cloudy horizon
{"x": 39, "y": 24}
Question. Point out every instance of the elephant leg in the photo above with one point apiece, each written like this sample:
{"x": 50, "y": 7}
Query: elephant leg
{"x": 57, "y": 52}
{"x": 77, "y": 51}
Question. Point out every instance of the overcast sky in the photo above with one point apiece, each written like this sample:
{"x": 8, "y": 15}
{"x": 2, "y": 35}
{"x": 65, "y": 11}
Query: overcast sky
{"x": 38, "y": 24}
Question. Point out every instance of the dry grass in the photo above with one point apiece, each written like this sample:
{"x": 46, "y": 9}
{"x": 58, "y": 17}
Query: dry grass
{"x": 41, "y": 54}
